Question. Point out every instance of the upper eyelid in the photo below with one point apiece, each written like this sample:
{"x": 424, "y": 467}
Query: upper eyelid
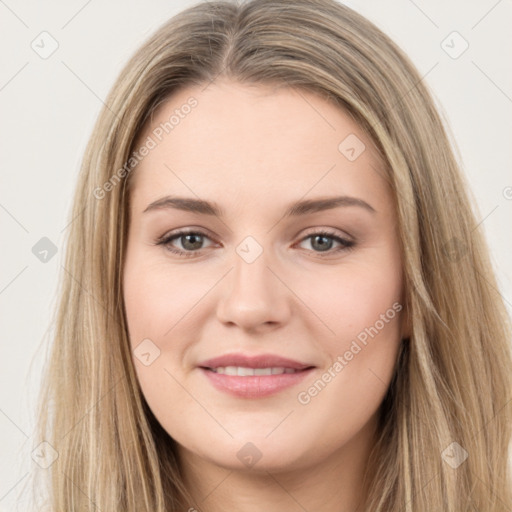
{"x": 346, "y": 244}
{"x": 332, "y": 232}
{"x": 184, "y": 232}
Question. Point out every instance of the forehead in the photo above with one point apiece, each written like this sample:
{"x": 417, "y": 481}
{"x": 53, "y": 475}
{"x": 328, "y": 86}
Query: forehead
{"x": 255, "y": 143}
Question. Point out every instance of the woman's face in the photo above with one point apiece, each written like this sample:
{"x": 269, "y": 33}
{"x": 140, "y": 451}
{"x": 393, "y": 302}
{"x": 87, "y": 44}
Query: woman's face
{"x": 293, "y": 254}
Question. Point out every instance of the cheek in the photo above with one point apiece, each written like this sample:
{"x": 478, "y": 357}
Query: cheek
{"x": 360, "y": 306}
{"x": 364, "y": 311}
{"x": 156, "y": 306}
{"x": 156, "y": 300}
{"x": 353, "y": 299}
{"x": 165, "y": 310}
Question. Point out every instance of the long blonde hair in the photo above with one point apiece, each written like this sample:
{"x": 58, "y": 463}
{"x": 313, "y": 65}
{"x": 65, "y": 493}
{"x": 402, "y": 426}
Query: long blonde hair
{"x": 452, "y": 382}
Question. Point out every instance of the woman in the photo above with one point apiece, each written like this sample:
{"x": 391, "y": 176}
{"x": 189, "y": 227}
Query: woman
{"x": 276, "y": 295}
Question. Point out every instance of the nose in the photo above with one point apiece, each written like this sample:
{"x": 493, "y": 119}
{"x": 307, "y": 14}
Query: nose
{"x": 254, "y": 296}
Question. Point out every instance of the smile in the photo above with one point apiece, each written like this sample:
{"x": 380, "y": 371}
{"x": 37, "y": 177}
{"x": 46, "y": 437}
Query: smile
{"x": 253, "y": 383}
{"x": 245, "y": 372}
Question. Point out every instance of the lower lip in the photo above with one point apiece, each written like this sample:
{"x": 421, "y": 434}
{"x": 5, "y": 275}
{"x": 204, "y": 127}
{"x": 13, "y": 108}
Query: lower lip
{"x": 256, "y": 386}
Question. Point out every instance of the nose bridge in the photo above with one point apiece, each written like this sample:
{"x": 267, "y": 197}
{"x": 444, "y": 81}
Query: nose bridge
{"x": 251, "y": 268}
{"x": 252, "y": 294}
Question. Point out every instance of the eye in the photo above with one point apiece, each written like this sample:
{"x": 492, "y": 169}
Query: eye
{"x": 323, "y": 241}
{"x": 191, "y": 242}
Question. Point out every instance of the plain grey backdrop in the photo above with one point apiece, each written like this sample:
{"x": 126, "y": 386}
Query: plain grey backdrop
{"x": 60, "y": 59}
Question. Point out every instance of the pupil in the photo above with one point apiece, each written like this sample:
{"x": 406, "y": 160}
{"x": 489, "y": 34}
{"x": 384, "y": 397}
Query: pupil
{"x": 197, "y": 242}
{"x": 323, "y": 243}
{"x": 323, "y": 246}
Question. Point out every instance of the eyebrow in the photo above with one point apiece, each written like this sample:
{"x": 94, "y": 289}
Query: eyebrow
{"x": 303, "y": 207}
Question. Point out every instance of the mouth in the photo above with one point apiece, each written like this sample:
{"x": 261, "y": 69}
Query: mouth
{"x": 252, "y": 383}
{"x": 244, "y": 371}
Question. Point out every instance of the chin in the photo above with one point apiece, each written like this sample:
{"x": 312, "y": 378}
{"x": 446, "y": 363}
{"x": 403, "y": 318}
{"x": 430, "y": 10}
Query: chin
{"x": 257, "y": 454}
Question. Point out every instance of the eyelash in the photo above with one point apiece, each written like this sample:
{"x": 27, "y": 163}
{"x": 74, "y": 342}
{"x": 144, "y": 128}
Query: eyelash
{"x": 346, "y": 245}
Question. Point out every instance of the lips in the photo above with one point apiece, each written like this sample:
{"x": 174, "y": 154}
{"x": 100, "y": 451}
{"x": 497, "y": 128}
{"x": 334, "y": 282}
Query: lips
{"x": 257, "y": 361}
{"x": 254, "y": 376}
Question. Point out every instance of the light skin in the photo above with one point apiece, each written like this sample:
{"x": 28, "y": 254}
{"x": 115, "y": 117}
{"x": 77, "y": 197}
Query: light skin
{"x": 254, "y": 151}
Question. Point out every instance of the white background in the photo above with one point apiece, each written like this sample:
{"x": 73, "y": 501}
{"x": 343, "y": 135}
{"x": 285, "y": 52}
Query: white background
{"x": 48, "y": 107}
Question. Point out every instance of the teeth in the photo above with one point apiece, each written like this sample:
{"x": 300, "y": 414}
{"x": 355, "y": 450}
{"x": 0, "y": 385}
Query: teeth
{"x": 247, "y": 372}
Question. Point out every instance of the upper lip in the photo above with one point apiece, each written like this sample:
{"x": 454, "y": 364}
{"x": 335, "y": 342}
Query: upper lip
{"x": 258, "y": 361}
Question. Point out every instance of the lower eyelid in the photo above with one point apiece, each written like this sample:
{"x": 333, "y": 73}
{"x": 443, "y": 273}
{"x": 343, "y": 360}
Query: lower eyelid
{"x": 166, "y": 240}
{"x": 345, "y": 244}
